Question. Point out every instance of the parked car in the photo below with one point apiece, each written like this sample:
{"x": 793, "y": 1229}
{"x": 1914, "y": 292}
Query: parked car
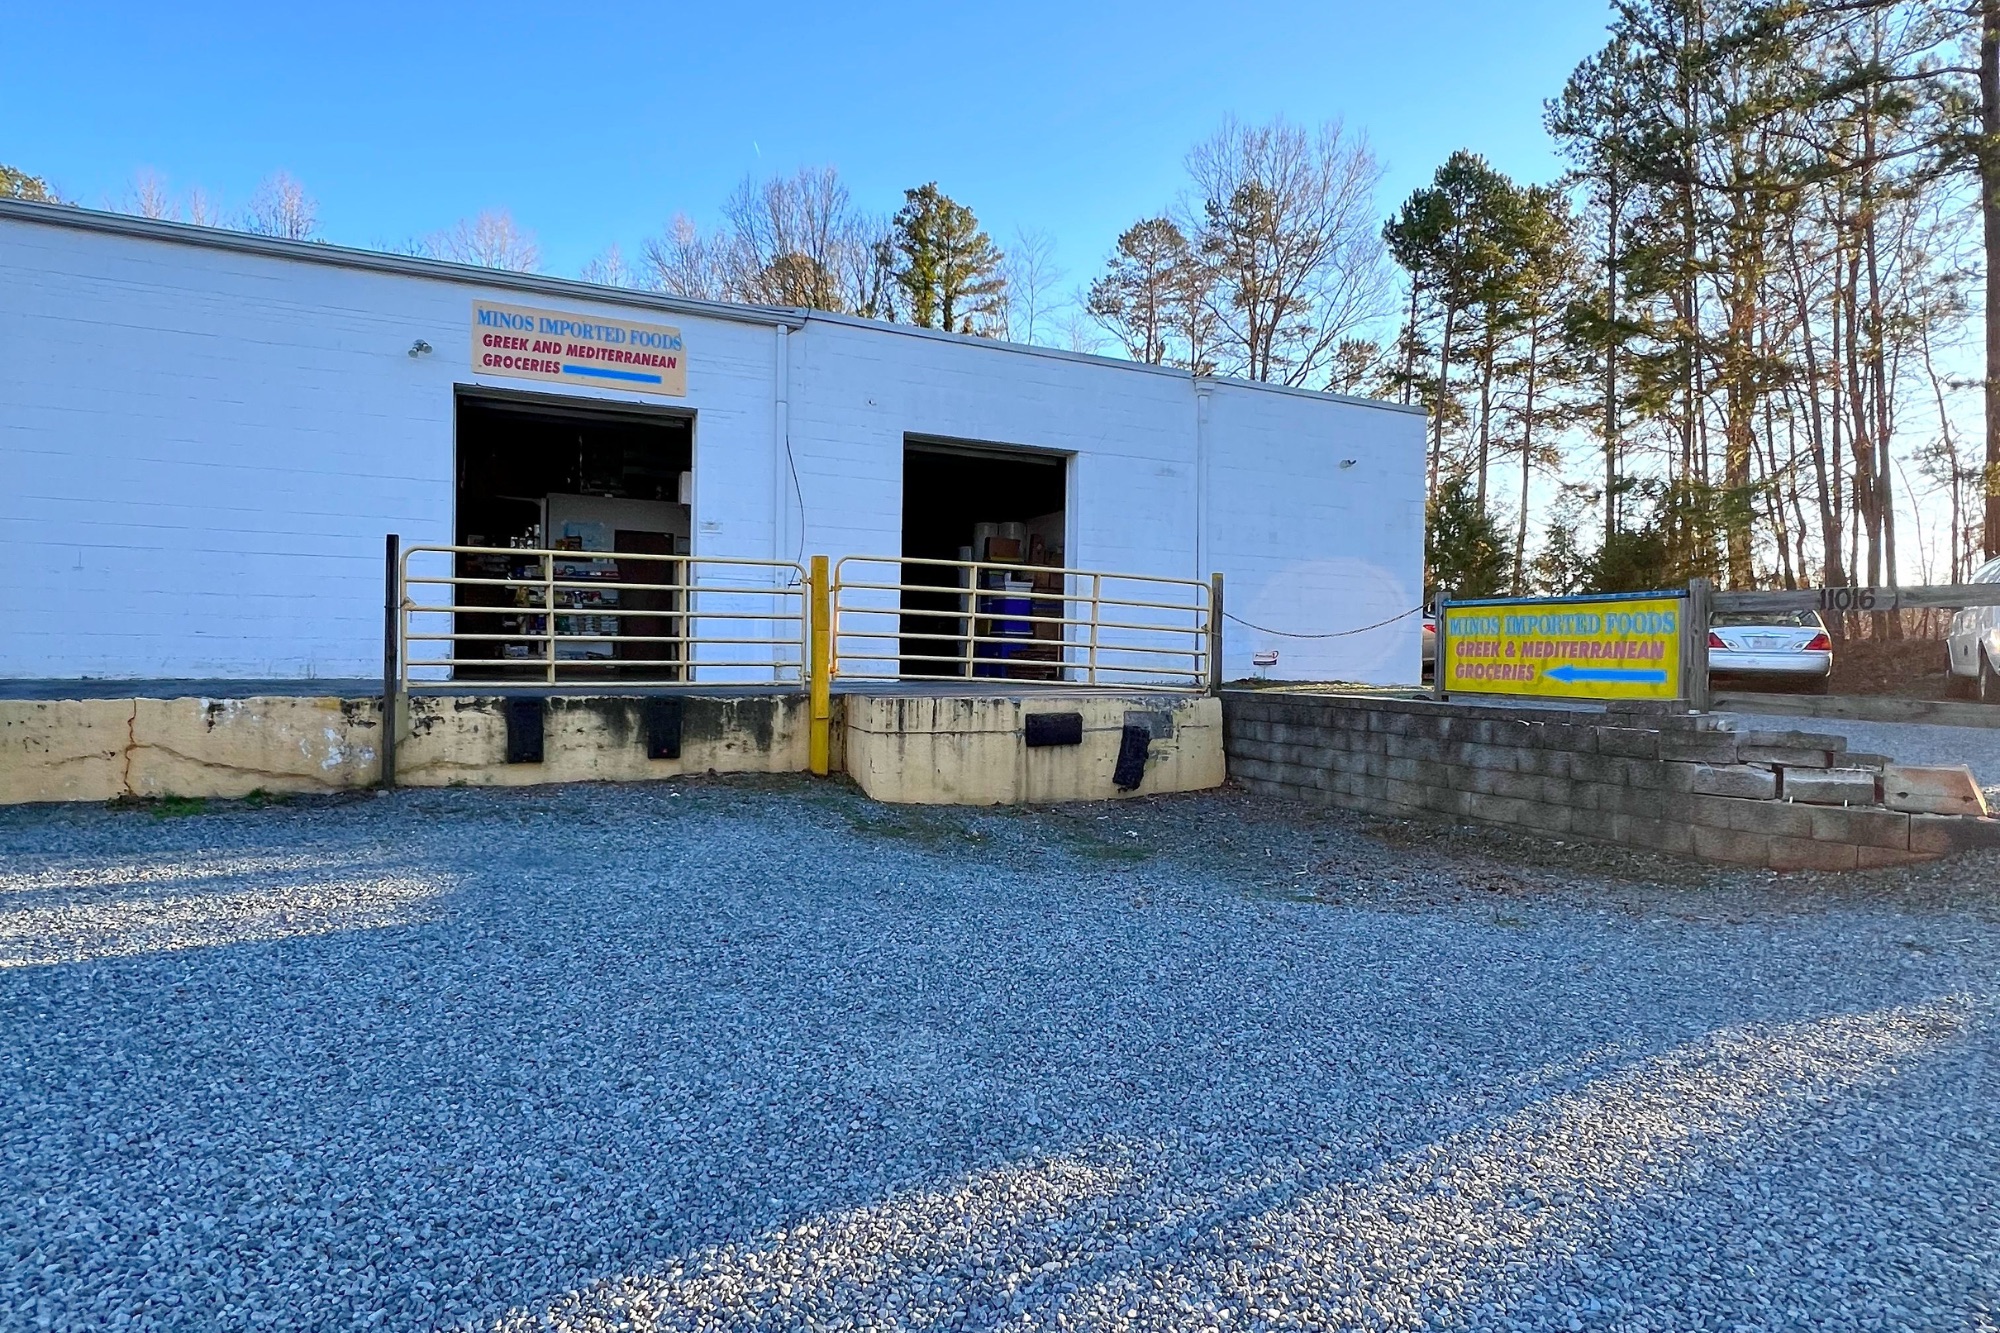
{"x": 1789, "y": 647}
{"x": 1430, "y": 656}
{"x": 1973, "y": 644}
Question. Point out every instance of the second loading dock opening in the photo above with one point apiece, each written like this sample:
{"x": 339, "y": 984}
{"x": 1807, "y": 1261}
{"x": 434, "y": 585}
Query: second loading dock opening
{"x": 965, "y": 501}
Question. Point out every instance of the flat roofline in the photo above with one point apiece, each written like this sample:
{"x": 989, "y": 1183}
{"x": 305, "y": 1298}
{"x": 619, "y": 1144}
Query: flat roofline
{"x": 378, "y": 261}
{"x": 439, "y": 270}
{"x": 1098, "y": 359}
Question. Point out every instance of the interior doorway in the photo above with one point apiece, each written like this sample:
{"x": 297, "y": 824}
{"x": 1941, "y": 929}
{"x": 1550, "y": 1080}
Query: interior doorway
{"x": 590, "y": 479}
{"x": 977, "y": 502}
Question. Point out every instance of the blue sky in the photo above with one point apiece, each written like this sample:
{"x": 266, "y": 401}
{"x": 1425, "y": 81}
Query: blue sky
{"x": 594, "y": 125}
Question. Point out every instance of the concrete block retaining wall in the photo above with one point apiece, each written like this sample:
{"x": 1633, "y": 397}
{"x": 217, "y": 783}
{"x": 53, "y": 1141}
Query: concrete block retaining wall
{"x": 1786, "y": 800}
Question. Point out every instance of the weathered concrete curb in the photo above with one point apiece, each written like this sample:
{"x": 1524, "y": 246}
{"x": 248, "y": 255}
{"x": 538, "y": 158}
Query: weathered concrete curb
{"x": 969, "y": 750}
{"x": 1669, "y": 783}
{"x": 915, "y": 748}
{"x": 103, "y": 749}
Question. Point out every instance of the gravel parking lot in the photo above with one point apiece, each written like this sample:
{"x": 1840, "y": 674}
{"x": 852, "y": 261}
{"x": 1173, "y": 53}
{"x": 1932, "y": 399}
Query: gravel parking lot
{"x": 764, "y": 1055}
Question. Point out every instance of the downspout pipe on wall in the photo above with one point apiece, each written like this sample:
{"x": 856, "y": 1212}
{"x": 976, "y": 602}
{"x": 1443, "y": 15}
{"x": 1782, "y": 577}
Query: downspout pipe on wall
{"x": 781, "y": 447}
{"x": 1203, "y": 394}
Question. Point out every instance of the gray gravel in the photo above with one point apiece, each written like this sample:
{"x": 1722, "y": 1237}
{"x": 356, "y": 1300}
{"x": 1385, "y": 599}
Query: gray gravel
{"x": 763, "y": 1055}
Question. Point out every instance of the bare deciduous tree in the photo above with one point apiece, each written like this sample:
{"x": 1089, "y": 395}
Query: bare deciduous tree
{"x": 1080, "y": 332}
{"x": 149, "y": 195}
{"x": 281, "y": 207}
{"x": 868, "y": 267}
{"x": 202, "y": 209}
{"x": 1286, "y": 223}
{"x": 786, "y": 238}
{"x": 609, "y": 269}
{"x": 683, "y": 262}
{"x": 789, "y": 240}
{"x": 1027, "y": 306}
{"x": 491, "y": 240}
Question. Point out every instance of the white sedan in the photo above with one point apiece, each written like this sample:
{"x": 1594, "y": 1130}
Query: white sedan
{"x": 1788, "y": 646}
{"x": 1973, "y": 644}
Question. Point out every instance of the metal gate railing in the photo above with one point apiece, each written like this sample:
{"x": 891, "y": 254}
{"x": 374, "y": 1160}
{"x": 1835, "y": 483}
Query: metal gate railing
{"x": 546, "y": 616}
{"x": 534, "y": 616}
{"x": 904, "y": 619}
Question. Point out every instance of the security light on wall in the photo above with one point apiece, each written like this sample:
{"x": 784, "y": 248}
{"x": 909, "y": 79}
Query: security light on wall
{"x": 1346, "y": 463}
{"x": 419, "y": 348}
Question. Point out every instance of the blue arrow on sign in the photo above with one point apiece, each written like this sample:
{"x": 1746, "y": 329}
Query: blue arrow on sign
{"x": 1568, "y": 673}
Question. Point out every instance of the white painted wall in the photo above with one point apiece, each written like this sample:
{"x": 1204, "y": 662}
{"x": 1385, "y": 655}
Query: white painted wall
{"x": 201, "y": 449}
{"x": 859, "y": 389}
{"x": 1305, "y": 545}
{"x": 1310, "y": 547}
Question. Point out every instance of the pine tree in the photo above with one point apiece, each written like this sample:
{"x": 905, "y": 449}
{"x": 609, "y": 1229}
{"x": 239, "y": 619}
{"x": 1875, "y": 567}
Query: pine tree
{"x": 1449, "y": 237}
{"x": 1563, "y": 567}
{"x": 948, "y": 268}
{"x": 15, "y": 184}
{"x": 1464, "y": 553}
{"x": 1143, "y": 287}
{"x": 1593, "y": 120}
{"x": 1541, "y": 363}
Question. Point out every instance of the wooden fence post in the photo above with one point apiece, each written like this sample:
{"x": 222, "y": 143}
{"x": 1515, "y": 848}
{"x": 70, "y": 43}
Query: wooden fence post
{"x": 1694, "y": 659}
{"x": 1215, "y": 634}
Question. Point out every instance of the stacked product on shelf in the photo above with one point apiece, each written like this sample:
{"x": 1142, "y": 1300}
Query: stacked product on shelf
{"x": 1019, "y": 638}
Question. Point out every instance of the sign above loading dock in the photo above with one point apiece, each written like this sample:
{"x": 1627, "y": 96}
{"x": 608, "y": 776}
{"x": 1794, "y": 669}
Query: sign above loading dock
{"x": 577, "y": 349}
{"x": 1565, "y": 648}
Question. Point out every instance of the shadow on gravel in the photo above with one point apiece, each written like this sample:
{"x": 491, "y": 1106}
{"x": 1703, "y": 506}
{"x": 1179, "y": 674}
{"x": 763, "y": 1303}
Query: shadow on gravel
{"x": 1472, "y": 1223}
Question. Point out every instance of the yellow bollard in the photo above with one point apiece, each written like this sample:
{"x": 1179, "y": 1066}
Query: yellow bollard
{"x": 821, "y": 681}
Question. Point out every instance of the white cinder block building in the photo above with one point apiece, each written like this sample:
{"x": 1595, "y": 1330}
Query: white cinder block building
{"x": 204, "y": 437}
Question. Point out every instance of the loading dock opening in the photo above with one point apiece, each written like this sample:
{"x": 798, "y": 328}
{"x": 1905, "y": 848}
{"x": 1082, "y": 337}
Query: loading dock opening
{"x": 964, "y": 501}
{"x": 534, "y": 473}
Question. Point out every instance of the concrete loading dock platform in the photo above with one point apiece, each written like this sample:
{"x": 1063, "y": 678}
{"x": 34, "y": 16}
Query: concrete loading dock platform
{"x": 919, "y": 745}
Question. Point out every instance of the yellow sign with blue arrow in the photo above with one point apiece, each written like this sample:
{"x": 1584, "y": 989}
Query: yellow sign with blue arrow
{"x": 1625, "y": 647}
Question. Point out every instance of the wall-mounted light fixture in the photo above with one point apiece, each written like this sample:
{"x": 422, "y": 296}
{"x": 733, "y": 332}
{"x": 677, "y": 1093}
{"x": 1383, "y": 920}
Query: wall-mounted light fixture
{"x": 1345, "y": 463}
{"x": 419, "y": 348}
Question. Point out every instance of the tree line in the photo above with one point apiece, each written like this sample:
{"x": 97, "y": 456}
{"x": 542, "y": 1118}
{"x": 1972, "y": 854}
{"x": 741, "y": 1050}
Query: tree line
{"x": 794, "y": 240}
{"x": 1268, "y": 267}
{"x": 1733, "y": 338}
{"x": 280, "y": 206}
